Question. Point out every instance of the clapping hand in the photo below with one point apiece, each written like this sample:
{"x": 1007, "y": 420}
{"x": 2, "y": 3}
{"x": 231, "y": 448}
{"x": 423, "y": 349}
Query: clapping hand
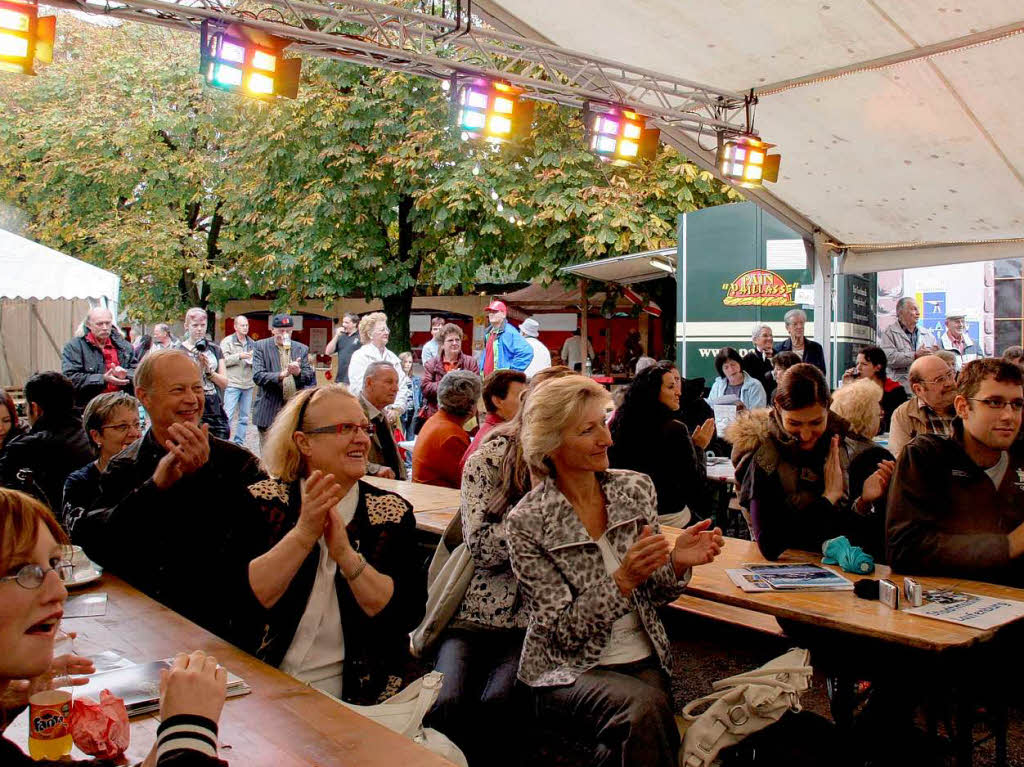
{"x": 320, "y": 494}
{"x": 877, "y": 484}
{"x": 702, "y": 437}
{"x": 294, "y": 368}
{"x": 188, "y": 450}
{"x": 835, "y": 482}
{"x": 697, "y": 545}
{"x": 644, "y": 557}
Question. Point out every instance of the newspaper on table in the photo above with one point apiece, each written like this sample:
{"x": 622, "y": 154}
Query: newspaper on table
{"x": 968, "y": 609}
{"x": 788, "y": 576}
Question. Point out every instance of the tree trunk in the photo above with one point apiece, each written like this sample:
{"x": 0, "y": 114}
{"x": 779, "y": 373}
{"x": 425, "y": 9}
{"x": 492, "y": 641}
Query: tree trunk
{"x": 398, "y": 307}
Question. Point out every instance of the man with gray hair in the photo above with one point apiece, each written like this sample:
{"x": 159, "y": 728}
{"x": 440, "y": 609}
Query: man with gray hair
{"x": 162, "y": 336}
{"x": 758, "y": 363}
{"x": 98, "y": 359}
{"x": 903, "y": 341}
{"x": 807, "y": 350}
{"x": 443, "y": 440}
{"x": 380, "y": 386}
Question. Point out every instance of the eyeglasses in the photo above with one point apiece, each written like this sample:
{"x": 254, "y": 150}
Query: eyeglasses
{"x": 343, "y": 429}
{"x": 122, "y": 428}
{"x": 32, "y": 576}
{"x": 995, "y": 403}
{"x": 942, "y": 378}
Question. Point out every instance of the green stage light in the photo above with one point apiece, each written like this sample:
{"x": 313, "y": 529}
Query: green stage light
{"x": 619, "y": 136}
{"x": 491, "y": 111}
{"x": 243, "y": 60}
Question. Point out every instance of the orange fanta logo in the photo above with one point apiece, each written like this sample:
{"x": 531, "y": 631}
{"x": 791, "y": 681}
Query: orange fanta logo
{"x": 759, "y": 287}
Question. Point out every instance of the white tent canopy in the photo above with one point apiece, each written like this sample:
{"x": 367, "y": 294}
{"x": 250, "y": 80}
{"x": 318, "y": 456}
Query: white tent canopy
{"x": 898, "y": 121}
{"x": 30, "y": 270}
{"x": 44, "y": 295}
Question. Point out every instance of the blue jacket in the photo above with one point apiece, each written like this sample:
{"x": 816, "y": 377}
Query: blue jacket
{"x": 751, "y": 393}
{"x": 510, "y": 349}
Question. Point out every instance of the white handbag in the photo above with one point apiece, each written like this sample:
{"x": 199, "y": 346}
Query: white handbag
{"x": 742, "y": 705}
{"x": 403, "y": 713}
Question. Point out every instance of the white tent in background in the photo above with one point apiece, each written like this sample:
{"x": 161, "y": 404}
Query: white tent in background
{"x": 44, "y": 294}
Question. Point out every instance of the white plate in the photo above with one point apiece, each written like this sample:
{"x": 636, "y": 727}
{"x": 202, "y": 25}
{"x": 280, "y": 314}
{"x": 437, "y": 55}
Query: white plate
{"x": 83, "y": 577}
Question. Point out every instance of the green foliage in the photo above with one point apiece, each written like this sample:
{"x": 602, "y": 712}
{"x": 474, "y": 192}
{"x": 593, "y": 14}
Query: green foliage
{"x": 122, "y": 157}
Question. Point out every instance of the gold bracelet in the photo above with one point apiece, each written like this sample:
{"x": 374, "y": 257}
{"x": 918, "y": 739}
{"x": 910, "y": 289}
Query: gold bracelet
{"x": 359, "y": 569}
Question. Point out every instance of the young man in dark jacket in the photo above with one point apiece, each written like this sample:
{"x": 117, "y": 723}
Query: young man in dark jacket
{"x": 98, "y": 361}
{"x": 956, "y": 504}
{"x": 38, "y": 462}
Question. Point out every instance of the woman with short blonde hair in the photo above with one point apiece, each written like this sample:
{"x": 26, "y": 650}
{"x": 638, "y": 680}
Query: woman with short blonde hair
{"x": 860, "y": 403}
{"x": 593, "y": 568}
{"x": 369, "y": 323}
{"x": 340, "y": 583}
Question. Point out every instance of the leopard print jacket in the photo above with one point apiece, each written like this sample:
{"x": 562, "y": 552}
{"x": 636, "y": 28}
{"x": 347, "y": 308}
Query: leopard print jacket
{"x": 571, "y": 601}
{"x": 492, "y": 598}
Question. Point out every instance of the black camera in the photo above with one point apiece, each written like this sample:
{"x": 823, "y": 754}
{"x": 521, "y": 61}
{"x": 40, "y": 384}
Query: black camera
{"x": 202, "y": 345}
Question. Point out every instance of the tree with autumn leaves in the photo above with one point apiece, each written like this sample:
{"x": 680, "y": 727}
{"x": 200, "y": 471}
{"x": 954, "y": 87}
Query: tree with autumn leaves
{"x": 121, "y": 156}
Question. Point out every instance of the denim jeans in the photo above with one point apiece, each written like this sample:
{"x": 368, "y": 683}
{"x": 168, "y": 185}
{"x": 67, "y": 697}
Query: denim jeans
{"x": 242, "y": 400}
{"x": 477, "y": 706}
{"x": 627, "y": 709}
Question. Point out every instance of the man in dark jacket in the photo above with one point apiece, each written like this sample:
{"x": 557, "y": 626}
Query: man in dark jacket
{"x": 167, "y": 520}
{"x": 956, "y": 504}
{"x": 98, "y": 361}
{"x": 38, "y": 462}
{"x": 280, "y": 367}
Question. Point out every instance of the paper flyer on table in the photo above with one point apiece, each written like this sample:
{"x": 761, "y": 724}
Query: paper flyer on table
{"x": 724, "y": 415}
{"x": 968, "y": 609}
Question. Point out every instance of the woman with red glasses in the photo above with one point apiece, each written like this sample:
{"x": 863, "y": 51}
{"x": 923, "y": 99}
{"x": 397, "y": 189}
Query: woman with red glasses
{"x": 340, "y": 582}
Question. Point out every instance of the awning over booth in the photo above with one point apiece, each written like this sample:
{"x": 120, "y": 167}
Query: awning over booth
{"x": 629, "y": 269}
{"x": 30, "y": 270}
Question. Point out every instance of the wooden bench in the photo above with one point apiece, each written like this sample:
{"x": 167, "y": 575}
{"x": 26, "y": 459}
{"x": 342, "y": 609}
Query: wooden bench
{"x": 723, "y": 613}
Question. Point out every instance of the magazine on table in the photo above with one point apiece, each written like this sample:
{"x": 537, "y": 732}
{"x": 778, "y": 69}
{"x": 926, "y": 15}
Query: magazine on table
{"x": 968, "y": 609}
{"x": 139, "y": 686}
{"x": 789, "y": 576}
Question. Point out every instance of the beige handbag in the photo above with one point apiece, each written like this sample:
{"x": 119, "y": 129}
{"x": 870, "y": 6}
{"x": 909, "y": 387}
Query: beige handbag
{"x": 451, "y": 571}
{"x": 742, "y": 705}
{"x": 403, "y": 713}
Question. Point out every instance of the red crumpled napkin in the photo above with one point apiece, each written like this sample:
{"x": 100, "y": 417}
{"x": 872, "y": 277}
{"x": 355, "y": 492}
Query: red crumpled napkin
{"x": 100, "y": 729}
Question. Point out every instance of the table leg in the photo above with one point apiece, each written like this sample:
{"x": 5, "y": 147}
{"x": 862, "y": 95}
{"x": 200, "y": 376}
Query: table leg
{"x": 963, "y": 740}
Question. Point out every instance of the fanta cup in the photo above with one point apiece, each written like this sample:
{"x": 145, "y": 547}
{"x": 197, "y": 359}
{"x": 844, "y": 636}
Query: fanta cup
{"x": 49, "y": 730}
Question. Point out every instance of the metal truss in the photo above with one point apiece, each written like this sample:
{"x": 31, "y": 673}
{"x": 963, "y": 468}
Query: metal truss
{"x": 391, "y": 37}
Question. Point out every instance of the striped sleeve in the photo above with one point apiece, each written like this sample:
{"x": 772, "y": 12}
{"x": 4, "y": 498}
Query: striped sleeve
{"x": 186, "y": 732}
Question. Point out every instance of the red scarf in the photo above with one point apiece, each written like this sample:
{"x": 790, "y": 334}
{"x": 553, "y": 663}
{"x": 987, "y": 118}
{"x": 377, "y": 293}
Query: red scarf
{"x": 489, "y": 354}
{"x": 110, "y": 360}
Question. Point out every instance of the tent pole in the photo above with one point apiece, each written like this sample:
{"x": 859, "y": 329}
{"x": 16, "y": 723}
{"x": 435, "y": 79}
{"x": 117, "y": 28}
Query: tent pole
{"x": 585, "y": 310}
{"x": 824, "y": 287}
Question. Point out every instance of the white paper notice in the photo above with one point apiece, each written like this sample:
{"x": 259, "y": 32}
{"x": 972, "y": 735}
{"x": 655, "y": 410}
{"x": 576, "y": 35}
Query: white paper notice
{"x": 724, "y": 415}
{"x": 785, "y": 254}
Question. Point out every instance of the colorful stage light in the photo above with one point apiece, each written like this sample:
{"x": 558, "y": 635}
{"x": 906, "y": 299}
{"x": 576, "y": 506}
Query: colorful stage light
{"x": 24, "y": 37}
{"x": 746, "y": 161}
{"x": 243, "y": 60}
{"x": 491, "y": 111}
{"x": 619, "y": 136}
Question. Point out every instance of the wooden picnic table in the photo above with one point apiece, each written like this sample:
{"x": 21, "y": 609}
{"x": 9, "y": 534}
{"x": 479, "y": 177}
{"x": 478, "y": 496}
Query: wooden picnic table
{"x": 842, "y": 610}
{"x": 281, "y": 723}
{"x": 865, "y": 639}
{"x": 433, "y": 506}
